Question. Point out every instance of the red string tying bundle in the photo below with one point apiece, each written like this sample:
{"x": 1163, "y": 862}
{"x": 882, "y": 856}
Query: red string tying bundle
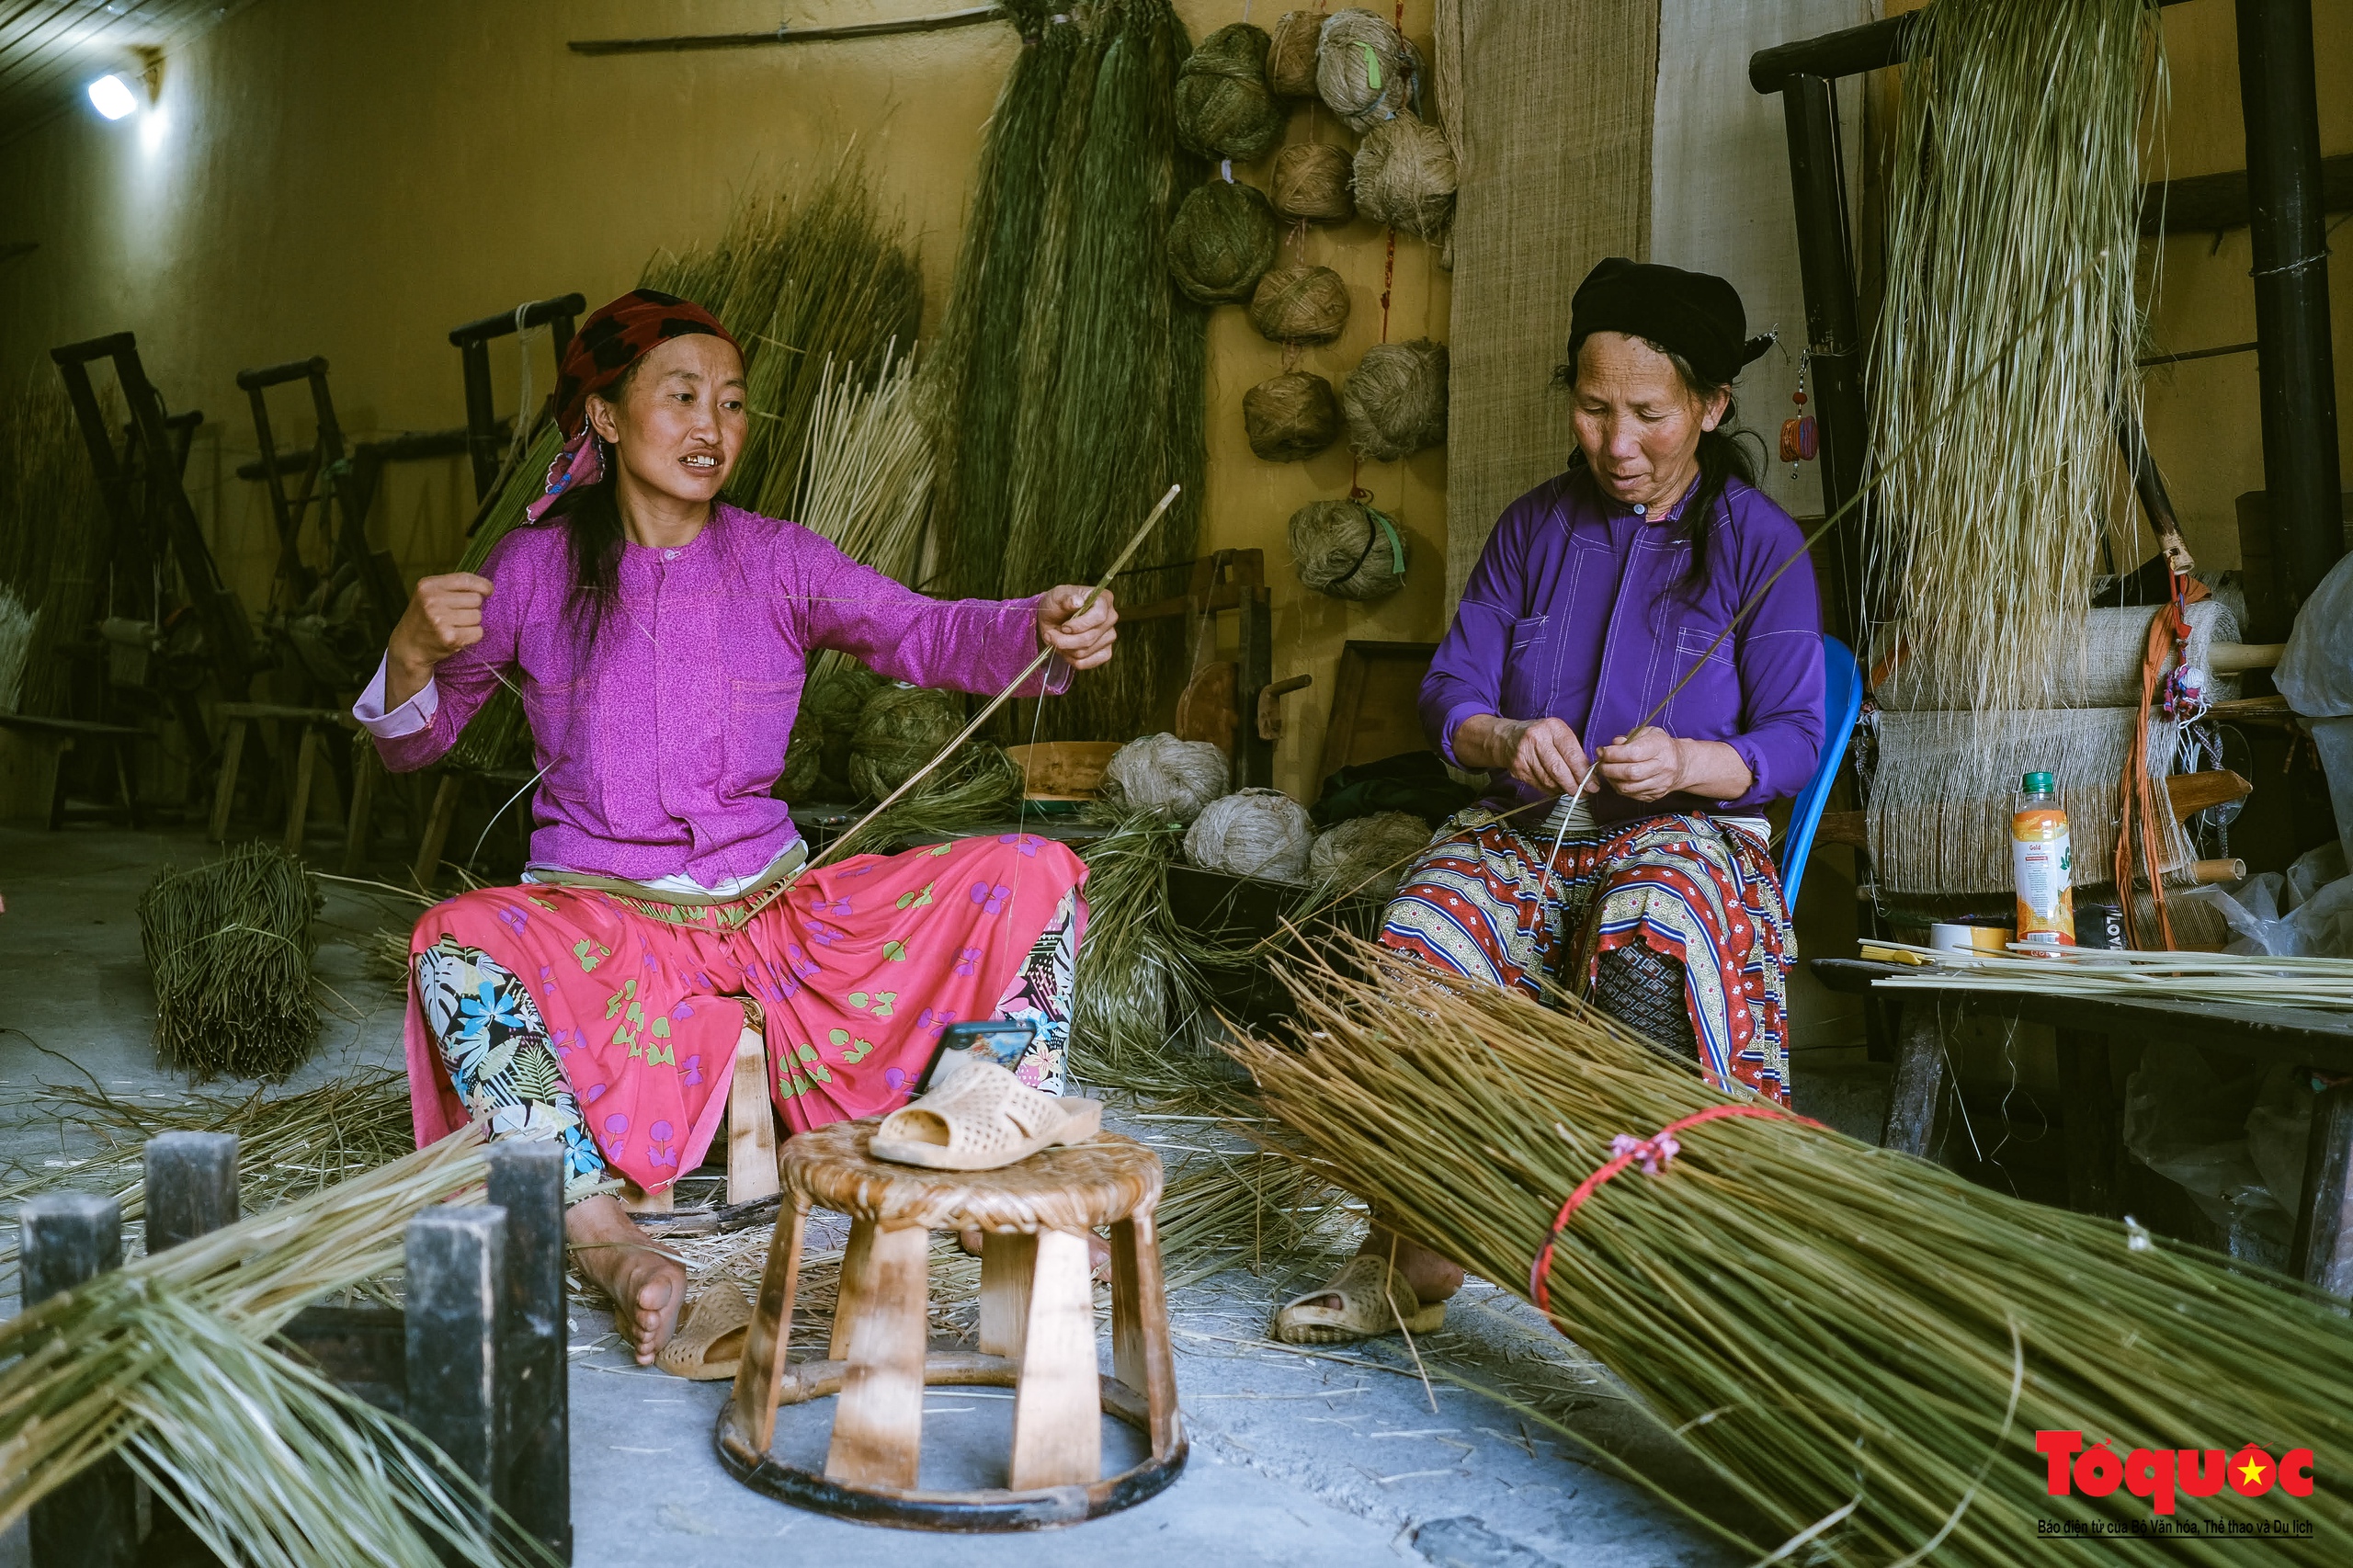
{"x": 1651, "y": 1153}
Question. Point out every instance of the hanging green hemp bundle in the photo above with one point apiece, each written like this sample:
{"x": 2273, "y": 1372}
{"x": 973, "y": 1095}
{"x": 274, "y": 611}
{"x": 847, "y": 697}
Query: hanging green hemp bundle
{"x": 1223, "y": 240}
{"x": 2014, "y": 183}
{"x": 1300, "y": 304}
{"x": 1861, "y": 1343}
{"x": 229, "y": 945}
{"x": 1396, "y": 399}
{"x": 53, "y": 532}
{"x": 975, "y": 372}
{"x": 1111, "y": 413}
{"x": 1223, "y": 106}
{"x": 1348, "y": 550}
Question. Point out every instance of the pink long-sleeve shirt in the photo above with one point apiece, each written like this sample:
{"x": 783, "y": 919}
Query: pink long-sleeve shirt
{"x": 658, "y": 739}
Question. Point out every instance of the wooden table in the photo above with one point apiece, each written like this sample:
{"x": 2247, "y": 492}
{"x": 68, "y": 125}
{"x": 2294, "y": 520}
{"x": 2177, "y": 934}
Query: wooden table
{"x": 2322, "y": 1044}
{"x": 54, "y": 737}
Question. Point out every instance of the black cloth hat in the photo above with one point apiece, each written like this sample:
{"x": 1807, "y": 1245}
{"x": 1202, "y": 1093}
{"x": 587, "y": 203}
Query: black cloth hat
{"x": 1696, "y": 314}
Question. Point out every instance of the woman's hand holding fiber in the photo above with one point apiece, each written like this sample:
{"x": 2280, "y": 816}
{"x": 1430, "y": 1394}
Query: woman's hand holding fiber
{"x": 443, "y": 616}
{"x": 1083, "y": 638}
{"x": 1543, "y": 754}
{"x": 1651, "y": 764}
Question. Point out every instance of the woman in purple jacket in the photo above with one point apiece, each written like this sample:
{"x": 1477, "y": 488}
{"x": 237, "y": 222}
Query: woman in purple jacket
{"x": 1643, "y": 627}
{"x": 669, "y": 919}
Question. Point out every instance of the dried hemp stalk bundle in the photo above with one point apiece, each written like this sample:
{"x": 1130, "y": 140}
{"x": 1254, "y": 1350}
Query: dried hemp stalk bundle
{"x": 229, "y": 945}
{"x": 1861, "y": 1343}
{"x": 167, "y": 1362}
{"x": 2016, "y": 181}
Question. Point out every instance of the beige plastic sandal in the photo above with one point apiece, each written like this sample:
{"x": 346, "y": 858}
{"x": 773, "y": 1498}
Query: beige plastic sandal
{"x": 982, "y": 1119}
{"x": 1366, "y": 1307}
{"x": 711, "y": 1336}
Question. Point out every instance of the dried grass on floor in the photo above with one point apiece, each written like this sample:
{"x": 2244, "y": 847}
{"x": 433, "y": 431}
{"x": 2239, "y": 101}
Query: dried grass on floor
{"x": 288, "y": 1146}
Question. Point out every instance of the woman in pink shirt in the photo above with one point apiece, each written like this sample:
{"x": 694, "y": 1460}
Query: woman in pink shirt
{"x": 659, "y": 639}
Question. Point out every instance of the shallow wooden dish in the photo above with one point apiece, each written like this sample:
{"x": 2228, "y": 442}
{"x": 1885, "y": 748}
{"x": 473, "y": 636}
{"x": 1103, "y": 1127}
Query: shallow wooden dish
{"x": 1063, "y": 770}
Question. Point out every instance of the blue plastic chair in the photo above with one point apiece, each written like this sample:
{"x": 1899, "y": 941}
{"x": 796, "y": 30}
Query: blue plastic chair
{"x": 1842, "y": 702}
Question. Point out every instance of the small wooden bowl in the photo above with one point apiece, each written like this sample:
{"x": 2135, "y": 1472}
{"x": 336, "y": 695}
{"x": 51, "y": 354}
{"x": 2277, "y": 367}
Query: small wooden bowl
{"x": 1063, "y": 770}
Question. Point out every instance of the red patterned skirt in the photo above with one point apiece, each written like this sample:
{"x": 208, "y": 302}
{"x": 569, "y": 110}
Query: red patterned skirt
{"x": 1694, "y": 889}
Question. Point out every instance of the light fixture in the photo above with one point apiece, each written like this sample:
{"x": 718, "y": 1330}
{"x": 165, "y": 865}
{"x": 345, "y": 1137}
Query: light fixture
{"x": 112, "y": 96}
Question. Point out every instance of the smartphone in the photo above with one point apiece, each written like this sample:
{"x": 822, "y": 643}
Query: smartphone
{"x": 998, "y": 1040}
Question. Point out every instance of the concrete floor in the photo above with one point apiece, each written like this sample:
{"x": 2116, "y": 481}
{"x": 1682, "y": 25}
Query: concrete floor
{"x": 1337, "y": 1458}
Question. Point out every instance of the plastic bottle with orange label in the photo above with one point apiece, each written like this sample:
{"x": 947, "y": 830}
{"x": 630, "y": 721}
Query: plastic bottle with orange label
{"x": 2042, "y": 863}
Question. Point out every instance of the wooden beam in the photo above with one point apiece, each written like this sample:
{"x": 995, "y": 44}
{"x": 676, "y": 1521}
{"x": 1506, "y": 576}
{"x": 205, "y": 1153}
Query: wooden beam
{"x": 946, "y": 19}
{"x": 2188, "y": 793}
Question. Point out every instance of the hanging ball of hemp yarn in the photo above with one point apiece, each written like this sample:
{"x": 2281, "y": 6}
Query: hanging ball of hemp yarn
{"x": 1290, "y": 416}
{"x": 1223, "y": 106}
{"x": 1405, "y": 177}
{"x": 1300, "y": 304}
{"x": 1367, "y": 856}
{"x": 1396, "y": 399}
{"x": 902, "y": 728}
{"x": 1365, "y": 71}
{"x": 1161, "y": 774}
{"x": 1348, "y": 550}
{"x": 1222, "y": 242}
{"x": 804, "y": 761}
{"x": 1311, "y": 184}
{"x": 1256, "y": 833}
{"x": 833, "y": 701}
{"x": 1291, "y": 55}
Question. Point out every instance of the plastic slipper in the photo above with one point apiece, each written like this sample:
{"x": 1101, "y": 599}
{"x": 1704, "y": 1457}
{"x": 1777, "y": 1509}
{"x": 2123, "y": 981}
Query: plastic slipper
{"x": 1366, "y": 1309}
{"x": 710, "y": 1340}
{"x": 982, "y": 1119}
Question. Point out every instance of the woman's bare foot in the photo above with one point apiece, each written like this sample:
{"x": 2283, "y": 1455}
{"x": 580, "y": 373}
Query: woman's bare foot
{"x": 647, "y": 1286}
{"x": 1098, "y": 1253}
{"x": 1433, "y": 1278}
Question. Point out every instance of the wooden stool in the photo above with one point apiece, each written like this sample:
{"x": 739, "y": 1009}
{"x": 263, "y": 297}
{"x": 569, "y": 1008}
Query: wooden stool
{"x": 1037, "y": 1335}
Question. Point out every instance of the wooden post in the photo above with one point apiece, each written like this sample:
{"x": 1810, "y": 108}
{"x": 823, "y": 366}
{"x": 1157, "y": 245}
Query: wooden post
{"x": 535, "y": 1442}
{"x": 877, "y": 1421}
{"x": 759, "y": 1378}
{"x": 298, "y": 805}
{"x": 456, "y": 1261}
{"x": 751, "y": 1123}
{"x": 93, "y": 1521}
{"x": 224, "y": 792}
{"x": 1139, "y": 1349}
{"x": 436, "y": 829}
{"x": 366, "y": 768}
{"x": 1058, "y": 1400}
{"x": 2322, "y": 1252}
{"x": 1008, "y": 1261}
{"x": 2089, "y": 1122}
{"x": 1919, "y": 1076}
{"x": 191, "y": 1187}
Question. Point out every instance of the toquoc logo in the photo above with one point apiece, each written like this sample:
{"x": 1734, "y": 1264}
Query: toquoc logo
{"x": 2159, "y": 1474}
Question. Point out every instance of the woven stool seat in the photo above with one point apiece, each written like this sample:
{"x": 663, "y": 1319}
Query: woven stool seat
{"x": 1036, "y": 1334}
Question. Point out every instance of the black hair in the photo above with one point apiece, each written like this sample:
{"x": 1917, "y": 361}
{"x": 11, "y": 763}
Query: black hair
{"x": 592, "y": 524}
{"x": 1723, "y": 455}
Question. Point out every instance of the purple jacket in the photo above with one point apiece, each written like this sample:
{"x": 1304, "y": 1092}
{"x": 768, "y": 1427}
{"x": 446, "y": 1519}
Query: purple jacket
{"x": 1574, "y": 612}
{"x": 661, "y": 737}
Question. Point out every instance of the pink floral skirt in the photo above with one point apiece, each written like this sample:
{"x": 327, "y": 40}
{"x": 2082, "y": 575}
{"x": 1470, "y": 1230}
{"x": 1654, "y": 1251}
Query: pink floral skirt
{"x": 852, "y": 975}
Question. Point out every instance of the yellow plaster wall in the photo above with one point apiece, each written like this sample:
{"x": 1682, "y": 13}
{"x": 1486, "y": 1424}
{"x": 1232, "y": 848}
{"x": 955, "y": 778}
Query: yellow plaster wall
{"x": 326, "y": 179}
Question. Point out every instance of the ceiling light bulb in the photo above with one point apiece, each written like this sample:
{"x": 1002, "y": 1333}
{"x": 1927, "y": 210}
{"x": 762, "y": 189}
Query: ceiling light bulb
{"x": 111, "y": 96}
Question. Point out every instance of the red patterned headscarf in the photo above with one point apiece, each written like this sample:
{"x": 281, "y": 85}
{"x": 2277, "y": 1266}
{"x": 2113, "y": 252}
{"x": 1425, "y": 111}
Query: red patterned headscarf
{"x": 612, "y": 339}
